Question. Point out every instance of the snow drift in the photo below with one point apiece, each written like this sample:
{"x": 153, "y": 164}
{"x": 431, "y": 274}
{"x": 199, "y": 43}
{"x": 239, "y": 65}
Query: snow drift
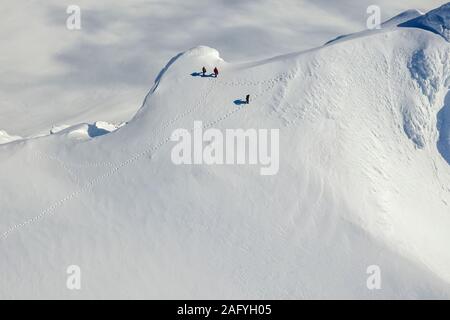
{"x": 363, "y": 180}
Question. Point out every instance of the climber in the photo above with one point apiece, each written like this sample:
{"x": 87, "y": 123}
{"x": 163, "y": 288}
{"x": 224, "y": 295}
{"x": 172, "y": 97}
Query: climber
{"x": 247, "y": 99}
{"x": 216, "y": 72}
{"x": 203, "y": 71}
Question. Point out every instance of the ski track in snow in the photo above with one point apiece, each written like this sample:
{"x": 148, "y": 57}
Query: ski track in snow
{"x": 149, "y": 150}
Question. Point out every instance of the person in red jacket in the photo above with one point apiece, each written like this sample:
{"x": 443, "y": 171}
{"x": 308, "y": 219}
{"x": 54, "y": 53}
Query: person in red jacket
{"x": 216, "y": 72}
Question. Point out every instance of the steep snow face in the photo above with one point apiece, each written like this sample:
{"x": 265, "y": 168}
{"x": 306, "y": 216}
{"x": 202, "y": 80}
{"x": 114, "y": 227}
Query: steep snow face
{"x": 437, "y": 21}
{"x": 402, "y": 17}
{"x": 363, "y": 180}
{"x": 443, "y": 125}
{"x": 430, "y": 69}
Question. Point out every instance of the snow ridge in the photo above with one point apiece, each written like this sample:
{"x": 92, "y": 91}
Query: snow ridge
{"x": 436, "y": 21}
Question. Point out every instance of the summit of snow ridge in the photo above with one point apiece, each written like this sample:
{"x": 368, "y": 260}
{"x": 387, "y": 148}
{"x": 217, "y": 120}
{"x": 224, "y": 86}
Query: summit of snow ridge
{"x": 436, "y": 21}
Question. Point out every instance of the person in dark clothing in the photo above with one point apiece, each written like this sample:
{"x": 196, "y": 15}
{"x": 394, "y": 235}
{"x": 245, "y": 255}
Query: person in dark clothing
{"x": 247, "y": 99}
{"x": 203, "y": 71}
{"x": 216, "y": 72}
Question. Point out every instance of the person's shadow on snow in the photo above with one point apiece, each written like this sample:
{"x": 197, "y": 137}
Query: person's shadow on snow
{"x": 238, "y": 102}
{"x": 200, "y": 74}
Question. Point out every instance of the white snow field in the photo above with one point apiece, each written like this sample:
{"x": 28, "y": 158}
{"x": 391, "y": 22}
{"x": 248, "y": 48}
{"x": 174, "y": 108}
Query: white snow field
{"x": 364, "y": 179}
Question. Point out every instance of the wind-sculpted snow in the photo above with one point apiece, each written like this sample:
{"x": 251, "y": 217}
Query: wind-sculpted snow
{"x": 6, "y": 138}
{"x": 389, "y": 24}
{"x": 436, "y": 21}
{"x": 430, "y": 69}
{"x": 402, "y": 17}
{"x": 443, "y": 125}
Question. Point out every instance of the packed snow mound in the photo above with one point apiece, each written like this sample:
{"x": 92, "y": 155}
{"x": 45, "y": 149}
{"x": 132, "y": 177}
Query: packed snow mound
{"x": 363, "y": 180}
{"x": 6, "y": 138}
{"x": 203, "y": 51}
{"x": 437, "y": 21}
{"x": 58, "y": 128}
{"x": 85, "y": 131}
{"x": 430, "y": 69}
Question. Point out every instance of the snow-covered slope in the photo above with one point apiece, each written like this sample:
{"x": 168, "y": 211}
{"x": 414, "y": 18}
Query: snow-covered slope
{"x": 386, "y": 26}
{"x": 437, "y": 21}
{"x": 363, "y": 180}
{"x": 402, "y": 17}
